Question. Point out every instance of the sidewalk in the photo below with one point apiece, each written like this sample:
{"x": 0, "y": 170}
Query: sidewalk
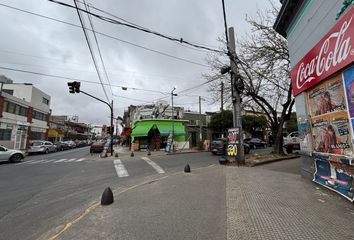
{"x": 219, "y": 202}
{"x": 124, "y": 151}
{"x": 265, "y": 204}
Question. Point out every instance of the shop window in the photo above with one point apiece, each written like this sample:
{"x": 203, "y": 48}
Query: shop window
{"x": 5, "y": 134}
{"x": 37, "y": 136}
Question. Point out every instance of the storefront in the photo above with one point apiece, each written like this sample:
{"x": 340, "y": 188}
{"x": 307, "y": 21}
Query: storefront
{"x": 323, "y": 86}
{"x": 158, "y": 134}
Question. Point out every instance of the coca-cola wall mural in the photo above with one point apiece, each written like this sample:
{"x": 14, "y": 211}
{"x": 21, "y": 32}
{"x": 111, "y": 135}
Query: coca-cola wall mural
{"x": 326, "y": 76}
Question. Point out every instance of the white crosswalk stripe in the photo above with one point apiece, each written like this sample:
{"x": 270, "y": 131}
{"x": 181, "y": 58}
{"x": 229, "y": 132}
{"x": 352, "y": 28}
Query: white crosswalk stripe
{"x": 71, "y": 160}
{"x": 81, "y": 159}
{"x": 61, "y": 160}
{"x": 153, "y": 164}
{"x": 28, "y": 162}
{"x": 120, "y": 169}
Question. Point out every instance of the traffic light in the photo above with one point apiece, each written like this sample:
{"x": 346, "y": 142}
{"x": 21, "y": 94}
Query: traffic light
{"x": 108, "y": 130}
{"x": 74, "y": 87}
{"x": 71, "y": 87}
{"x": 77, "y": 87}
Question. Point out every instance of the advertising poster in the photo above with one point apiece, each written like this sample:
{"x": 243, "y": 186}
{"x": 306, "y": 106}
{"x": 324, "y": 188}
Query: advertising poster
{"x": 333, "y": 173}
{"x": 327, "y": 97}
{"x": 331, "y": 134}
{"x": 304, "y": 135}
{"x": 232, "y": 137}
{"x": 349, "y": 88}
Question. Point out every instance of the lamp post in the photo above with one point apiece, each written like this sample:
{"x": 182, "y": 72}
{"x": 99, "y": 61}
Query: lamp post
{"x": 173, "y": 125}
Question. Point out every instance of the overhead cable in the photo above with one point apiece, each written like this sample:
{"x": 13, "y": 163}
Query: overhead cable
{"x": 113, "y": 21}
{"x": 91, "y": 50}
{"x": 108, "y": 36}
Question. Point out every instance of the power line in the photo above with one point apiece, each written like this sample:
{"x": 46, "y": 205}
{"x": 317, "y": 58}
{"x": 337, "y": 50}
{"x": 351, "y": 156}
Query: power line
{"x": 124, "y": 20}
{"x": 77, "y": 79}
{"x": 110, "y": 20}
{"x": 108, "y": 36}
{"x": 99, "y": 50}
{"x": 91, "y": 50}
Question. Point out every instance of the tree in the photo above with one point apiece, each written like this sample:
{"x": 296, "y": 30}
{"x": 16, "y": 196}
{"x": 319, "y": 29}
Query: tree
{"x": 264, "y": 65}
{"x": 252, "y": 123}
{"x": 221, "y": 121}
{"x": 291, "y": 125}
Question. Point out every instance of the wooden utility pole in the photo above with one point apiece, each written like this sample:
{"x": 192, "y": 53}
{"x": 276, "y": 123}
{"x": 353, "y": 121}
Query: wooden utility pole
{"x": 200, "y": 119}
{"x": 222, "y": 108}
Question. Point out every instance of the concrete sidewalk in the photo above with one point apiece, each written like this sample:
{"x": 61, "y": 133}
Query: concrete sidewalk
{"x": 219, "y": 202}
{"x": 266, "y": 204}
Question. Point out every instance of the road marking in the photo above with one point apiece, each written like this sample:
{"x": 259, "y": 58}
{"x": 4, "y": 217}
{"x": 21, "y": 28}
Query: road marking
{"x": 61, "y": 160}
{"x": 28, "y": 162}
{"x": 81, "y": 159}
{"x": 153, "y": 164}
{"x": 71, "y": 160}
{"x": 120, "y": 169}
{"x": 38, "y": 161}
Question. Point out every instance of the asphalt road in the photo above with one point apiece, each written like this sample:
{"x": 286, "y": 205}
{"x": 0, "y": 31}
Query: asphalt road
{"x": 44, "y": 192}
{"x": 157, "y": 200}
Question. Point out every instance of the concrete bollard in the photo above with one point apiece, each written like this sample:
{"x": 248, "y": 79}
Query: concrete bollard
{"x": 187, "y": 169}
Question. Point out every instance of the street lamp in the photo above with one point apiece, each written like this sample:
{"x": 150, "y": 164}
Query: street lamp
{"x": 173, "y": 125}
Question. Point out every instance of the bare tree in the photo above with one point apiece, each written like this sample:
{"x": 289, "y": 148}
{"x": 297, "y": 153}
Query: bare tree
{"x": 264, "y": 65}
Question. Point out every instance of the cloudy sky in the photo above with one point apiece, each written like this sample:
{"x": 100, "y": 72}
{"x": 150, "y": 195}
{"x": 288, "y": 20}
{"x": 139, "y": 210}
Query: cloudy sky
{"x": 148, "y": 65}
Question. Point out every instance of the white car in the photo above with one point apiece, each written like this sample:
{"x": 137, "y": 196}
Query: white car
{"x": 42, "y": 147}
{"x": 11, "y": 155}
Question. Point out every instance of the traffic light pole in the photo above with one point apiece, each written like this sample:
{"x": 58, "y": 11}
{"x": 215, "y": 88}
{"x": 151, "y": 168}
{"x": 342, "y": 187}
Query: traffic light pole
{"x": 111, "y": 108}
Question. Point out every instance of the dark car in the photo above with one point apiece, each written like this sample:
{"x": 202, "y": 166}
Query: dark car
{"x": 61, "y": 146}
{"x": 256, "y": 143}
{"x": 97, "y": 147}
{"x": 219, "y": 145}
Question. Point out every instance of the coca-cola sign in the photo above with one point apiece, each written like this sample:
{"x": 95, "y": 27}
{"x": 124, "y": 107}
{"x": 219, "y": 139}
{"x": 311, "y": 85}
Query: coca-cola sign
{"x": 332, "y": 53}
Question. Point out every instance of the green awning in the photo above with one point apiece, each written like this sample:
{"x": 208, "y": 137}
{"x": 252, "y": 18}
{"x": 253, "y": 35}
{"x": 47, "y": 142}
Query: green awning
{"x": 142, "y": 129}
{"x": 166, "y": 127}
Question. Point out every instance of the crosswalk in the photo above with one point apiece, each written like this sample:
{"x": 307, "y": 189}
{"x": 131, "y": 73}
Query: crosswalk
{"x": 53, "y": 161}
{"x": 123, "y": 172}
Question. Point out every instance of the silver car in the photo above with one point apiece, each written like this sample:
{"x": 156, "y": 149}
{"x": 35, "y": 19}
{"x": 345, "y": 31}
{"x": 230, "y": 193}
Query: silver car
{"x": 42, "y": 147}
{"x": 11, "y": 155}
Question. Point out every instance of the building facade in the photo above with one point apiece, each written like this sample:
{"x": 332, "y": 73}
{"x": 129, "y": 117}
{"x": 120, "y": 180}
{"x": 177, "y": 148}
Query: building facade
{"x": 320, "y": 36}
{"x": 24, "y": 115}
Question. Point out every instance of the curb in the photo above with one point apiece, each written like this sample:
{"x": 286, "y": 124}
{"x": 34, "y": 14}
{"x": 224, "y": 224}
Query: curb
{"x": 253, "y": 163}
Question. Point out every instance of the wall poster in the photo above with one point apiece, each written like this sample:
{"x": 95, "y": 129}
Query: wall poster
{"x": 335, "y": 173}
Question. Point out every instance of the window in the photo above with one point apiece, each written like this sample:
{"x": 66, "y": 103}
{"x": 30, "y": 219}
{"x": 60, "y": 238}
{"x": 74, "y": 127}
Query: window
{"x": 37, "y": 136}
{"x": 14, "y": 108}
{"x": 2, "y": 149}
{"x": 5, "y": 134}
{"x": 8, "y": 91}
{"x": 39, "y": 116}
{"x": 45, "y": 101}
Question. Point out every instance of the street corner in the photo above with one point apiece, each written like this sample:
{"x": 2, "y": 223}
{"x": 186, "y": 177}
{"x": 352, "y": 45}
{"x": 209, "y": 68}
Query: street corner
{"x": 168, "y": 207}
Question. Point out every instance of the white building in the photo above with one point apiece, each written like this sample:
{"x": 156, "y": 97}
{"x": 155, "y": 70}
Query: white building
{"x": 24, "y": 114}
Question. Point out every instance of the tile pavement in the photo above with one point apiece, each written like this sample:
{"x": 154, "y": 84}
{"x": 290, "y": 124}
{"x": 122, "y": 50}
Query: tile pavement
{"x": 265, "y": 204}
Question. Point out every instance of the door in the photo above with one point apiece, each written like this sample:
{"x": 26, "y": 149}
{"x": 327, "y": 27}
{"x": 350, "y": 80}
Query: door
{"x": 194, "y": 139}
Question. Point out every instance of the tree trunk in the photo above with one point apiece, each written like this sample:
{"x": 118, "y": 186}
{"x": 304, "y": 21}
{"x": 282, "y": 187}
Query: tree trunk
{"x": 278, "y": 141}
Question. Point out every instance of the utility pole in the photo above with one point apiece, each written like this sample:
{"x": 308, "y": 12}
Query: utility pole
{"x": 236, "y": 100}
{"x": 200, "y": 119}
{"x": 173, "y": 124}
{"x": 222, "y": 108}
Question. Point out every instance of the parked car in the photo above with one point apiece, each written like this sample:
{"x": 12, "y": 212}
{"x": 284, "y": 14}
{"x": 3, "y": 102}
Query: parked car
{"x": 255, "y": 143}
{"x": 291, "y": 142}
{"x": 61, "y": 146}
{"x": 219, "y": 145}
{"x": 42, "y": 147}
{"x": 71, "y": 144}
{"x": 97, "y": 147}
{"x": 11, "y": 155}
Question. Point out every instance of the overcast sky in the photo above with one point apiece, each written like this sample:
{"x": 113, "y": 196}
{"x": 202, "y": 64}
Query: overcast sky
{"x": 41, "y": 45}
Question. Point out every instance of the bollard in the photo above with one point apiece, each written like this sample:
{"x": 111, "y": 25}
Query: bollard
{"x": 116, "y": 155}
{"x": 107, "y": 197}
{"x": 132, "y": 154}
{"x": 187, "y": 169}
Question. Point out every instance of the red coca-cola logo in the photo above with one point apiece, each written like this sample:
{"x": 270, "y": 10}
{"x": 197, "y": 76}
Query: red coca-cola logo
{"x": 332, "y": 53}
